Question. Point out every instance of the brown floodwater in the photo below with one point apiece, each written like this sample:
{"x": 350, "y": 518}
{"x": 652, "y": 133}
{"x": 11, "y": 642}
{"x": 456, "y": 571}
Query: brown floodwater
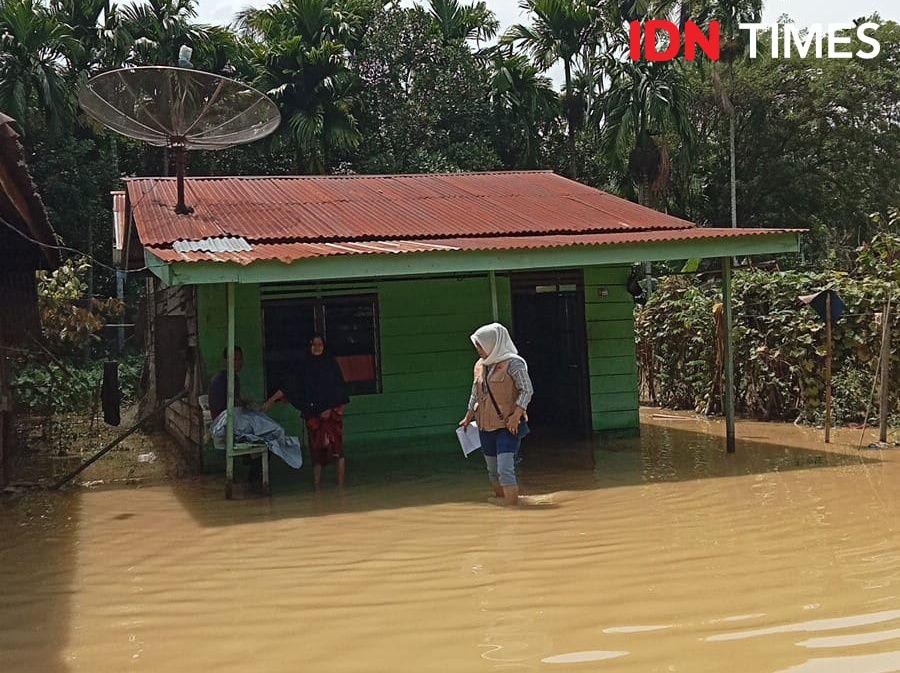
{"x": 654, "y": 554}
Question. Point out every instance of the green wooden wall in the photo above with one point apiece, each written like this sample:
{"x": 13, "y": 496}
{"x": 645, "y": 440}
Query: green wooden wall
{"x": 426, "y": 356}
{"x": 611, "y": 353}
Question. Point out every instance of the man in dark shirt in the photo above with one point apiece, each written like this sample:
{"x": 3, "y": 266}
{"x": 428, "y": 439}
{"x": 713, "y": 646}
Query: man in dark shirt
{"x": 218, "y": 387}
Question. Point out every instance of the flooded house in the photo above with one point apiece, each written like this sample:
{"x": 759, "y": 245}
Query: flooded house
{"x": 397, "y": 271}
{"x": 27, "y": 244}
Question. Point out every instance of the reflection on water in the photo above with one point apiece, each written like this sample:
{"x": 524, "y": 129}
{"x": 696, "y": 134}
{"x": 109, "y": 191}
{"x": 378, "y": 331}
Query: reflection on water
{"x": 851, "y": 639}
{"x": 582, "y": 657}
{"x": 883, "y": 662}
{"x": 654, "y": 554}
{"x": 816, "y": 625}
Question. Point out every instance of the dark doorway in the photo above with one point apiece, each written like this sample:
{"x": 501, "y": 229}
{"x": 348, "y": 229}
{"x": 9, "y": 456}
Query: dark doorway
{"x": 550, "y": 332}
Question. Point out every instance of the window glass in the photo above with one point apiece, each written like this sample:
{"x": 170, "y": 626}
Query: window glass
{"x": 350, "y": 328}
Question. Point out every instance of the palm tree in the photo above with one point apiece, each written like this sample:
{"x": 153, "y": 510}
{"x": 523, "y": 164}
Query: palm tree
{"x": 645, "y": 103}
{"x": 731, "y": 13}
{"x": 159, "y": 28}
{"x": 314, "y": 21}
{"x": 458, "y": 23}
{"x": 523, "y": 100}
{"x": 33, "y": 48}
{"x": 558, "y": 32}
{"x": 97, "y": 26}
{"x": 303, "y": 64}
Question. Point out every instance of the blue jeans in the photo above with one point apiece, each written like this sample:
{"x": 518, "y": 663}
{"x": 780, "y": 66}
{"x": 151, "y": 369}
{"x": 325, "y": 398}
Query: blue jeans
{"x": 500, "y": 448}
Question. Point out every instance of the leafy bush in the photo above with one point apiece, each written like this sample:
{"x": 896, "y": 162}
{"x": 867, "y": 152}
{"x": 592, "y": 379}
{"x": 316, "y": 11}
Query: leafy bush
{"x": 69, "y": 320}
{"x": 54, "y": 387}
{"x": 779, "y": 343}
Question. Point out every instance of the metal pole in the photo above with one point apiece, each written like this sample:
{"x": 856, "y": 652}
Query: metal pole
{"x": 495, "y": 308}
{"x": 181, "y": 208}
{"x": 885, "y": 392}
{"x": 229, "y": 427}
{"x": 828, "y": 366}
{"x": 729, "y": 356}
{"x": 120, "y": 293}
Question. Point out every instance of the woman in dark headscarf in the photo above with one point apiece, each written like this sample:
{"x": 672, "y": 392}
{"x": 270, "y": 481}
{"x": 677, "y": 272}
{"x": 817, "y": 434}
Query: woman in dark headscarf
{"x": 324, "y": 395}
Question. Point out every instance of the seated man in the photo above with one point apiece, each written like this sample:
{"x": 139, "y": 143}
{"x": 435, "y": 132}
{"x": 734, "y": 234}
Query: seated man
{"x": 249, "y": 425}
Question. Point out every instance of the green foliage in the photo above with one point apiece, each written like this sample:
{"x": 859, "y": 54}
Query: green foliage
{"x": 779, "y": 343}
{"x": 60, "y": 387}
{"x": 424, "y": 101}
{"x": 816, "y": 147}
{"x": 69, "y": 320}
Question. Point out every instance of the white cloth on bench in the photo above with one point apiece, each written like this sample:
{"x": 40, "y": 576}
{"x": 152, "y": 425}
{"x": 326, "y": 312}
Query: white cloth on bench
{"x": 255, "y": 427}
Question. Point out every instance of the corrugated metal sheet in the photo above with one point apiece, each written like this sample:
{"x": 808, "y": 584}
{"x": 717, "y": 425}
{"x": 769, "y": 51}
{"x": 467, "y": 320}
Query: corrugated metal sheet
{"x": 381, "y": 208}
{"x": 228, "y": 244}
{"x": 291, "y": 252}
{"x": 118, "y": 221}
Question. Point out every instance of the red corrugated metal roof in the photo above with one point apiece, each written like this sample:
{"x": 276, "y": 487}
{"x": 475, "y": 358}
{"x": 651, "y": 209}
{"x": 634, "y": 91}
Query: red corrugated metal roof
{"x": 380, "y": 208}
{"x": 290, "y": 252}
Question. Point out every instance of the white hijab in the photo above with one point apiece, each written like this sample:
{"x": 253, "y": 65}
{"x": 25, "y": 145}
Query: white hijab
{"x": 494, "y": 340}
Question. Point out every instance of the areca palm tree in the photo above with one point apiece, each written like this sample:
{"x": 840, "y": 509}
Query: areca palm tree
{"x": 558, "y": 31}
{"x": 33, "y": 47}
{"x": 646, "y": 102}
{"x": 313, "y": 21}
{"x": 97, "y": 26}
{"x": 159, "y": 28}
{"x": 458, "y": 22}
{"x": 303, "y": 65}
{"x": 731, "y": 13}
{"x": 523, "y": 100}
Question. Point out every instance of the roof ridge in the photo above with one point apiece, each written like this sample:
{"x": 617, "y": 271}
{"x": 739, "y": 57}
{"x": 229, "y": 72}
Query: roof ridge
{"x": 353, "y": 176}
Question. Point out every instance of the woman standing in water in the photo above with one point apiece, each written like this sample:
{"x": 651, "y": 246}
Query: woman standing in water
{"x": 324, "y": 395}
{"x": 500, "y": 395}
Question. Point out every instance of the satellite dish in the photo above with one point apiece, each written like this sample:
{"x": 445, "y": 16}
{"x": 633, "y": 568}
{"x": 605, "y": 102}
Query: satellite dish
{"x": 179, "y": 108}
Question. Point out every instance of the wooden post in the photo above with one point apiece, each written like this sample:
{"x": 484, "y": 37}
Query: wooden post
{"x": 729, "y": 356}
{"x": 828, "y": 366}
{"x": 885, "y": 391}
{"x": 229, "y": 427}
{"x": 495, "y": 308}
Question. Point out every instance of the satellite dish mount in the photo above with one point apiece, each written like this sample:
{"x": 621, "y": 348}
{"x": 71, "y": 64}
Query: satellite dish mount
{"x": 179, "y": 148}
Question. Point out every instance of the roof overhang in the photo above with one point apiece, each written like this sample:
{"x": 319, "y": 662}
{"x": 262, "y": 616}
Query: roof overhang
{"x": 20, "y": 204}
{"x": 477, "y": 255}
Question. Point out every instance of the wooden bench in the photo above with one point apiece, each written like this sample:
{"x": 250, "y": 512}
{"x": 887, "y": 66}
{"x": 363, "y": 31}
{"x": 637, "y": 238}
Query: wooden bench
{"x": 238, "y": 449}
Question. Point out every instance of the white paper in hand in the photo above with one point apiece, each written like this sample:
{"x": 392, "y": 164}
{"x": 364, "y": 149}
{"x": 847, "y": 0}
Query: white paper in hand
{"x": 469, "y": 438}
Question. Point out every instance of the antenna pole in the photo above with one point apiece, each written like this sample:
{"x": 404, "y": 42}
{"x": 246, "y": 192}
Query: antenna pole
{"x": 180, "y": 160}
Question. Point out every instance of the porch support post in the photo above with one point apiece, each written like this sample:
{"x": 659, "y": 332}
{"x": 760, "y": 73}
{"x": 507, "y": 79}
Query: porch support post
{"x": 729, "y": 356}
{"x": 229, "y": 427}
{"x": 495, "y": 308}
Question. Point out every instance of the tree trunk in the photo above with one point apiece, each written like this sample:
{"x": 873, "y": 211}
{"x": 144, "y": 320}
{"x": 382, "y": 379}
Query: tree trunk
{"x": 570, "y": 114}
{"x": 733, "y": 173}
{"x": 643, "y": 193}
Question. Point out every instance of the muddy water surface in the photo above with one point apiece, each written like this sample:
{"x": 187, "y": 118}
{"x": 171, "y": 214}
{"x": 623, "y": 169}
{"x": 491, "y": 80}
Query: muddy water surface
{"x": 658, "y": 554}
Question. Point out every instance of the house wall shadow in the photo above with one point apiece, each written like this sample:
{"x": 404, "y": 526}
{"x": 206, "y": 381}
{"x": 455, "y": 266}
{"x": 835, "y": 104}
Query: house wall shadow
{"x": 38, "y": 548}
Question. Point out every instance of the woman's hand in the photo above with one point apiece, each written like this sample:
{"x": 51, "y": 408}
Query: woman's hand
{"x": 469, "y": 417}
{"x": 276, "y": 397}
{"x": 512, "y": 423}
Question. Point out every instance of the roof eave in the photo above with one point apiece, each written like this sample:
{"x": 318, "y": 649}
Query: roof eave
{"x": 343, "y": 267}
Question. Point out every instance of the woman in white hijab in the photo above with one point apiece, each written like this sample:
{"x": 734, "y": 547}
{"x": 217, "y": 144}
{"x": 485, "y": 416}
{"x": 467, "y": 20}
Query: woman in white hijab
{"x": 500, "y": 395}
